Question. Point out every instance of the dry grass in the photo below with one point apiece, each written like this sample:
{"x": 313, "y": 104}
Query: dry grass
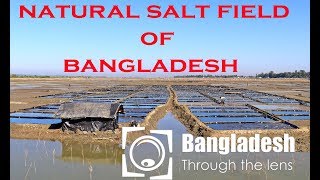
{"x": 42, "y": 132}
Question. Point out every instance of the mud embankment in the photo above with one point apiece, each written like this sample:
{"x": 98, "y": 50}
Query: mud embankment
{"x": 183, "y": 114}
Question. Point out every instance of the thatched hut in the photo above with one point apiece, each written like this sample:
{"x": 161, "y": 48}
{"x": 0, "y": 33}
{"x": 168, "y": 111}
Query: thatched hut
{"x": 87, "y": 116}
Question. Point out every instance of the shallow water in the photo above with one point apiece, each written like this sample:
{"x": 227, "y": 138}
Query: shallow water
{"x": 290, "y": 118}
{"x": 26, "y": 114}
{"x": 234, "y": 119}
{"x": 38, "y": 160}
{"x": 249, "y": 126}
{"x": 23, "y": 86}
{"x": 34, "y": 121}
{"x": 275, "y": 107}
{"x": 227, "y": 114}
{"x": 290, "y": 112}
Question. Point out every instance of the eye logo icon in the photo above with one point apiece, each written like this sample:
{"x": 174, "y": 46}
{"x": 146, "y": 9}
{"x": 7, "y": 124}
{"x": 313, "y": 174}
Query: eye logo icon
{"x": 147, "y": 164}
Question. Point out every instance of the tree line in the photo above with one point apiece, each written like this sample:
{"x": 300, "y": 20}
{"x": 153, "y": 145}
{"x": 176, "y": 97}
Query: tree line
{"x": 211, "y": 76}
{"x": 295, "y": 74}
{"x": 271, "y": 74}
{"x": 44, "y": 76}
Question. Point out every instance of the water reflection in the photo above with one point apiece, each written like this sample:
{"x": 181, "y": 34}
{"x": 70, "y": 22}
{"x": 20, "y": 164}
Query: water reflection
{"x": 39, "y": 159}
{"x": 94, "y": 153}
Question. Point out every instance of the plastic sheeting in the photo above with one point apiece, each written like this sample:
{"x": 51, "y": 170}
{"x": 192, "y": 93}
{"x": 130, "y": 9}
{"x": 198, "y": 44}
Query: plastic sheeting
{"x": 89, "y": 125}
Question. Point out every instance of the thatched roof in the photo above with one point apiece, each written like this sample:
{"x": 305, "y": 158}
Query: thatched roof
{"x": 81, "y": 110}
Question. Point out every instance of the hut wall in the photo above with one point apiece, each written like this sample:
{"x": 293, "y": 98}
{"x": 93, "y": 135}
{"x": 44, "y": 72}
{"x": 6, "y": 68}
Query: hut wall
{"x": 89, "y": 124}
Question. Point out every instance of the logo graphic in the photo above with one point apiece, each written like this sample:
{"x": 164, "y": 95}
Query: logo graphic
{"x": 147, "y": 164}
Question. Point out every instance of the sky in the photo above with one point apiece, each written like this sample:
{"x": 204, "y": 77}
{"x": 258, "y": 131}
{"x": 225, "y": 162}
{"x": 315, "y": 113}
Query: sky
{"x": 39, "y": 46}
